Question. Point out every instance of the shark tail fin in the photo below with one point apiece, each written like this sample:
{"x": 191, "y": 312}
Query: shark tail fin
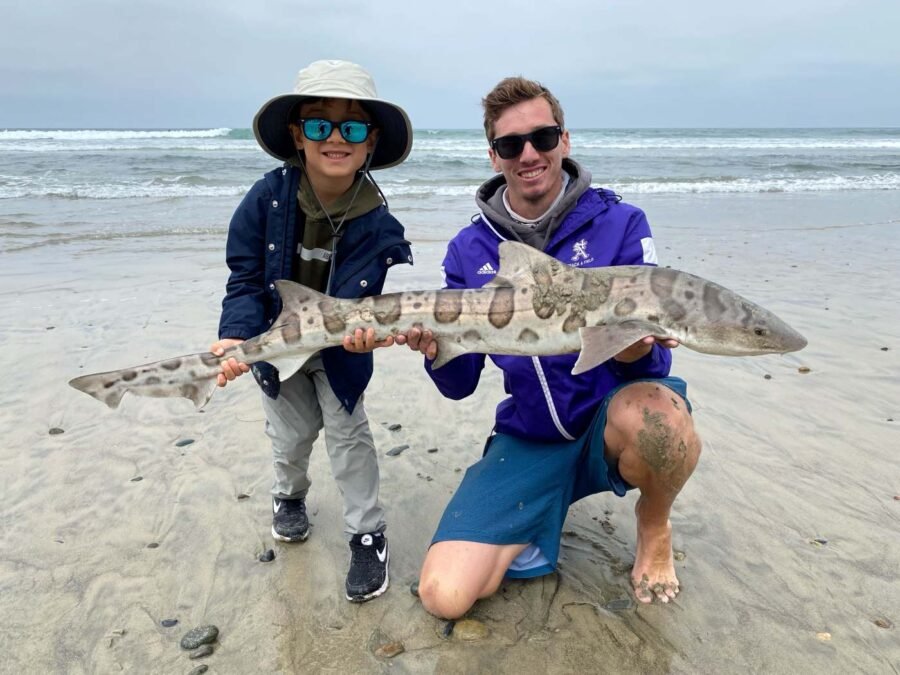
{"x": 96, "y": 386}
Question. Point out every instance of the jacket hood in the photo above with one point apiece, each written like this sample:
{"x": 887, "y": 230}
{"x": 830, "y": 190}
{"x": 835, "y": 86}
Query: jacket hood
{"x": 489, "y": 199}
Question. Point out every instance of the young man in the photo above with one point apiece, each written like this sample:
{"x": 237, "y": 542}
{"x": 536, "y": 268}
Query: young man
{"x": 558, "y": 437}
{"x": 320, "y": 220}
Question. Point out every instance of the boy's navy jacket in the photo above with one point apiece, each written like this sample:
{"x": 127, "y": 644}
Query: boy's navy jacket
{"x": 261, "y": 248}
{"x": 547, "y": 402}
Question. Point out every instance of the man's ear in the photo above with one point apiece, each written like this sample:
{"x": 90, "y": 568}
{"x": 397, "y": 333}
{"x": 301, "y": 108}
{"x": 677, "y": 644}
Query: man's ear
{"x": 495, "y": 161}
{"x": 565, "y": 143}
{"x": 297, "y": 135}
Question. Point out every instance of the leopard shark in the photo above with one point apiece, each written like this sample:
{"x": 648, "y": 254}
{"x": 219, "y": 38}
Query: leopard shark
{"x": 536, "y": 305}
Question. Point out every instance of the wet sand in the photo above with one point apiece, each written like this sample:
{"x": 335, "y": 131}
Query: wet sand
{"x": 789, "y": 458}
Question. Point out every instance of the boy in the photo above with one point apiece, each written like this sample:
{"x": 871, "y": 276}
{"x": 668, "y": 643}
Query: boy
{"x": 320, "y": 220}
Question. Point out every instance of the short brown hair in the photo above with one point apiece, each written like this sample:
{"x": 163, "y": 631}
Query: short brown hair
{"x": 511, "y": 91}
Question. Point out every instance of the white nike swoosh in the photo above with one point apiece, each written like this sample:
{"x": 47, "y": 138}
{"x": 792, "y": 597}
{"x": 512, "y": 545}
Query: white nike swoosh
{"x": 276, "y": 507}
{"x": 382, "y": 554}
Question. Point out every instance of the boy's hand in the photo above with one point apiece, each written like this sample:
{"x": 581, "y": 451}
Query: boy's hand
{"x": 420, "y": 341}
{"x": 231, "y": 368}
{"x": 361, "y": 342}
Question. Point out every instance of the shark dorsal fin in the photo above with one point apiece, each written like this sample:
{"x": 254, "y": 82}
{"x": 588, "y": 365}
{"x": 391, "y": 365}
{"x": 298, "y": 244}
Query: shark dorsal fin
{"x": 293, "y": 297}
{"x": 521, "y": 263}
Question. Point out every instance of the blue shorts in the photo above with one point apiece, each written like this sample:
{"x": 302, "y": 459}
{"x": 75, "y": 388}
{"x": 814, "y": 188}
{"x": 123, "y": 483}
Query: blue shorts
{"x": 520, "y": 491}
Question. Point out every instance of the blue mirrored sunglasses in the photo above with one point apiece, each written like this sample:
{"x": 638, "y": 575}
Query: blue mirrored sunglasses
{"x": 352, "y": 131}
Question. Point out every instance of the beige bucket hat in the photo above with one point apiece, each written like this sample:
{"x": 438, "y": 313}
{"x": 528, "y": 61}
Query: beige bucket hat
{"x": 335, "y": 79}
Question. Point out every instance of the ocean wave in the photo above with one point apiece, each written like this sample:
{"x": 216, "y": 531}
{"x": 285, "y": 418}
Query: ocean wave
{"x": 750, "y": 185}
{"x": 107, "y": 134}
{"x": 154, "y": 190}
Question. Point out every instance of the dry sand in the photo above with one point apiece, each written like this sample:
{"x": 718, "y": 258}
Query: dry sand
{"x": 787, "y": 460}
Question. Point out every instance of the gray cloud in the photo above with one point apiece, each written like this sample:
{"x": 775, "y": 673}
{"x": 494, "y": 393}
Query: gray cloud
{"x": 152, "y": 63}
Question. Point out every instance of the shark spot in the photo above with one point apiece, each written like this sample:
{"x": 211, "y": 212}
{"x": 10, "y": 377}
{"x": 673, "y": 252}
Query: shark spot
{"x": 173, "y": 364}
{"x": 689, "y": 295}
{"x": 129, "y": 375}
{"x": 674, "y": 309}
{"x": 387, "y": 308}
{"x": 417, "y": 305}
{"x": 573, "y": 322}
{"x": 290, "y": 333}
{"x": 662, "y": 280}
{"x": 528, "y": 336}
{"x": 332, "y": 318}
{"x": 418, "y": 292}
{"x": 447, "y": 306}
{"x": 310, "y": 321}
{"x": 713, "y": 307}
{"x": 189, "y": 391}
{"x": 251, "y": 347}
{"x": 472, "y": 335}
{"x": 111, "y": 383}
{"x": 153, "y": 380}
{"x": 209, "y": 359}
{"x": 653, "y": 318}
{"x": 502, "y": 307}
{"x": 625, "y": 307}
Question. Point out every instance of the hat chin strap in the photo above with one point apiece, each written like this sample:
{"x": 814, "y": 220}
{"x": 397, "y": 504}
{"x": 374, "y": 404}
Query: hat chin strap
{"x": 336, "y": 233}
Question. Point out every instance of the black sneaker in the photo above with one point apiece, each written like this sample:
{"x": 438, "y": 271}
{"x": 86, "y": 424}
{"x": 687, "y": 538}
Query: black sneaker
{"x": 289, "y": 521}
{"x": 368, "y": 575}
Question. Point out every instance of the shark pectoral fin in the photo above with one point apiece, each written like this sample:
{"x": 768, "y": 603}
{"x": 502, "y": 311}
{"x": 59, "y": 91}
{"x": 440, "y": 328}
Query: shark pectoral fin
{"x": 202, "y": 391}
{"x": 447, "y": 351}
{"x": 601, "y": 343}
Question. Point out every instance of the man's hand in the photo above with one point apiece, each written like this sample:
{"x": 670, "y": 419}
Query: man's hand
{"x": 420, "y": 341}
{"x": 642, "y": 347}
{"x": 231, "y": 368}
{"x": 362, "y": 342}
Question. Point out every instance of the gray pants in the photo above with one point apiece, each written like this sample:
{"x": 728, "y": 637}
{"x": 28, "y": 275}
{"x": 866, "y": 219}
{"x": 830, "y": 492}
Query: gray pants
{"x": 305, "y": 405}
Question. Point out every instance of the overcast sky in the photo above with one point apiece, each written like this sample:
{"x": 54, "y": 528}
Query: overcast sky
{"x": 620, "y": 63}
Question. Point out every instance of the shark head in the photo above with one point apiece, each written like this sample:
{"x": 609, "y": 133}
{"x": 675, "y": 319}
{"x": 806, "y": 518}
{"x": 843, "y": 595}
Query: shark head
{"x": 745, "y": 329}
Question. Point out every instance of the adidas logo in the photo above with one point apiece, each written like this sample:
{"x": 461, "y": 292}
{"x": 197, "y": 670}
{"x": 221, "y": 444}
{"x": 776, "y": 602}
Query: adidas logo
{"x": 487, "y": 268}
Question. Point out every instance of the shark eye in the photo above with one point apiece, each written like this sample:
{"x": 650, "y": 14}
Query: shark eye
{"x": 760, "y": 331}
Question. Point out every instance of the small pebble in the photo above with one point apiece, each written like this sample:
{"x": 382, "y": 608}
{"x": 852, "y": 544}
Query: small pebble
{"x": 803, "y": 369}
{"x": 414, "y": 588}
{"x": 268, "y": 556}
{"x": 679, "y": 555}
{"x": 137, "y": 479}
{"x": 168, "y": 623}
{"x": 890, "y": 419}
{"x": 824, "y": 637}
{"x": 56, "y": 431}
{"x": 393, "y": 452}
{"x": 897, "y": 498}
{"x": 470, "y": 630}
{"x": 818, "y": 541}
{"x": 447, "y": 630}
{"x": 153, "y": 544}
{"x": 243, "y": 496}
{"x": 884, "y": 349}
{"x": 431, "y": 450}
{"x": 199, "y": 670}
{"x": 200, "y": 652}
{"x": 390, "y": 650}
{"x": 767, "y": 376}
{"x": 883, "y": 623}
{"x": 200, "y": 635}
{"x": 183, "y": 442}
{"x": 394, "y": 427}
{"x": 52, "y": 327}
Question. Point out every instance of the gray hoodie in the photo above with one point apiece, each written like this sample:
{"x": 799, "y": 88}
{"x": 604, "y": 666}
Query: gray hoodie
{"x": 490, "y": 200}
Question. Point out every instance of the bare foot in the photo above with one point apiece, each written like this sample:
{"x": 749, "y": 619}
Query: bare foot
{"x": 653, "y": 575}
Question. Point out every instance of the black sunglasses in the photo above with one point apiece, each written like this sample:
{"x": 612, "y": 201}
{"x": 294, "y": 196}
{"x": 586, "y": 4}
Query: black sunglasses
{"x": 542, "y": 140}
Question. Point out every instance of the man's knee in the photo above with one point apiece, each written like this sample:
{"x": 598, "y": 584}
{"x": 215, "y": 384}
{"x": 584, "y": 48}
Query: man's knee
{"x": 444, "y": 599}
{"x": 650, "y": 424}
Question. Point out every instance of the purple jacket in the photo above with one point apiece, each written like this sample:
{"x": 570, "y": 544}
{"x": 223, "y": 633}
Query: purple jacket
{"x": 546, "y": 401}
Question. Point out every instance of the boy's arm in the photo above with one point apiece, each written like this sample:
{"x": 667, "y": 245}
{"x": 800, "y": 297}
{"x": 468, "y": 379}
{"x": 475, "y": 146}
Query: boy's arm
{"x": 243, "y": 308}
{"x": 638, "y": 249}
